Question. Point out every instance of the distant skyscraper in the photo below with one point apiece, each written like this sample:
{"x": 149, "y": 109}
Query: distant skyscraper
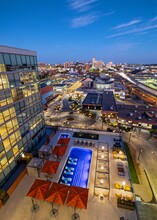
{"x": 21, "y": 115}
{"x": 66, "y": 65}
{"x": 93, "y": 60}
{"x": 97, "y": 64}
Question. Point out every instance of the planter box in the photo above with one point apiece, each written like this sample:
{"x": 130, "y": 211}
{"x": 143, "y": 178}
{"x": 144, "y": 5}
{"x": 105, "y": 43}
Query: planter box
{"x": 125, "y": 204}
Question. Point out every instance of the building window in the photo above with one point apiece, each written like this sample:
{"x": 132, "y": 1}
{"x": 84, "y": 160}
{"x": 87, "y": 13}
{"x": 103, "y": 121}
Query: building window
{"x": 6, "y": 59}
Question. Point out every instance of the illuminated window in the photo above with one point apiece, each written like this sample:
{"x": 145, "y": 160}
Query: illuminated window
{"x": 4, "y": 162}
{"x": 15, "y": 150}
{"x": 4, "y": 83}
{"x": 11, "y": 160}
{"x": 12, "y": 139}
{"x": 7, "y": 144}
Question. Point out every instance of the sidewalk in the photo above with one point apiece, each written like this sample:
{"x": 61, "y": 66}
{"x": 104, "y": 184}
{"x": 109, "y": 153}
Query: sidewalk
{"x": 142, "y": 189}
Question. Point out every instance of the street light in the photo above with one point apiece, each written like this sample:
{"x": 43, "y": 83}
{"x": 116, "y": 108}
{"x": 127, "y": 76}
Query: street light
{"x": 123, "y": 184}
{"x": 101, "y": 181}
{"x": 140, "y": 151}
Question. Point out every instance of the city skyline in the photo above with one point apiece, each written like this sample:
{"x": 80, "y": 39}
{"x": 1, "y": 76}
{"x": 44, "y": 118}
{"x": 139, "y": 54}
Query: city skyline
{"x": 78, "y": 30}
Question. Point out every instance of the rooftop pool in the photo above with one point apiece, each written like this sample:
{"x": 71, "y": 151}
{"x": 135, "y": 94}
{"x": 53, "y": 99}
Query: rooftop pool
{"x": 63, "y": 135}
{"x": 77, "y": 168}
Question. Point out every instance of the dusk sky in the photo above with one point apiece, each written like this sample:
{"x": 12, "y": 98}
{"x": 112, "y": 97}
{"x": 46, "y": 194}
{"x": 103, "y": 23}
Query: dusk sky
{"x": 63, "y": 30}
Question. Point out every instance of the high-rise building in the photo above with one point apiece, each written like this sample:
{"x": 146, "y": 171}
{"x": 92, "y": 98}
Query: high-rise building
{"x": 97, "y": 64}
{"x": 21, "y": 115}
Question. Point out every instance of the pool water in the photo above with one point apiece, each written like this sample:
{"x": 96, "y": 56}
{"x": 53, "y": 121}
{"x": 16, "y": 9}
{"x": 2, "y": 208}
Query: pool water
{"x": 64, "y": 135}
{"x": 77, "y": 168}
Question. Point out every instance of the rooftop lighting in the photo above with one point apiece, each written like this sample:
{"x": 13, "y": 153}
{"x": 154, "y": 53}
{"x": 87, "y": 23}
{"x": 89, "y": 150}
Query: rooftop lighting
{"x": 23, "y": 155}
{"x": 101, "y": 181}
{"x": 123, "y": 183}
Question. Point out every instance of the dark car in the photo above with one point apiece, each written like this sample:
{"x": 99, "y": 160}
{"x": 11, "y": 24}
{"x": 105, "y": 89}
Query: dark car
{"x": 109, "y": 130}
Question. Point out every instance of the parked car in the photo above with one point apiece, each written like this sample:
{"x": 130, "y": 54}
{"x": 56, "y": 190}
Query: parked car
{"x": 109, "y": 130}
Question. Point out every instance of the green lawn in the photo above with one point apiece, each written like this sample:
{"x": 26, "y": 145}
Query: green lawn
{"x": 132, "y": 169}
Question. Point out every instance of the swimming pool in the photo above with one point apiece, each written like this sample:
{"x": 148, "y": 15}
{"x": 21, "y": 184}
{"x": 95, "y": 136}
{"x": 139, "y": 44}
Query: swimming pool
{"x": 77, "y": 168}
{"x": 63, "y": 135}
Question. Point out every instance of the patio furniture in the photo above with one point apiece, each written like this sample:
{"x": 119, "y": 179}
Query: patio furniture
{"x": 129, "y": 198}
{"x": 106, "y": 194}
{"x": 71, "y": 162}
{"x": 73, "y": 159}
{"x": 86, "y": 143}
{"x": 115, "y": 156}
{"x": 66, "y": 178}
{"x": 127, "y": 188}
{"x": 117, "y": 186}
{"x": 119, "y": 164}
{"x": 65, "y": 183}
{"x": 120, "y": 171}
{"x": 96, "y": 194}
{"x": 68, "y": 172}
{"x": 69, "y": 168}
{"x": 122, "y": 203}
{"x": 118, "y": 195}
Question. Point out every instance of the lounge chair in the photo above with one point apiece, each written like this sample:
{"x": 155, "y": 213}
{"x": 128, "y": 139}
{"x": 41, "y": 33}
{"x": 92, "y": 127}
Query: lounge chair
{"x": 69, "y": 168}
{"x": 64, "y": 183}
{"x": 68, "y": 172}
{"x": 66, "y": 178}
{"x": 73, "y": 159}
{"x": 71, "y": 162}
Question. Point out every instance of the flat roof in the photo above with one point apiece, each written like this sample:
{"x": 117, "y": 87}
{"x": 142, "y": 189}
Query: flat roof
{"x": 14, "y": 50}
{"x": 108, "y": 103}
{"x": 93, "y": 99}
{"x": 140, "y": 114}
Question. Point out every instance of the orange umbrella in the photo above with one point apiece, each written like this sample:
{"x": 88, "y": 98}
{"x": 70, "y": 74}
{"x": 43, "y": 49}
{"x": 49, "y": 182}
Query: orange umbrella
{"x": 78, "y": 197}
{"x": 39, "y": 189}
{"x": 50, "y": 167}
{"x": 63, "y": 141}
{"x": 57, "y": 193}
{"x": 59, "y": 150}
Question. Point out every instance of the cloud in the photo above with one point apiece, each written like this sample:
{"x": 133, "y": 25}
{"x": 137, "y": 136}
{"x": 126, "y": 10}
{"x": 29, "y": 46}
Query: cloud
{"x": 81, "y": 5}
{"x": 127, "y": 24}
{"x": 84, "y": 20}
{"x": 135, "y": 30}
{"x": 153, "y": 19}
{"x": 109, "y": 13}
{"x": 125, "y": 46}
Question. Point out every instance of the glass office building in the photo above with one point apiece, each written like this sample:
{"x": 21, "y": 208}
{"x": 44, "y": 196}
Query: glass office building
{"x": 21, "y": 116}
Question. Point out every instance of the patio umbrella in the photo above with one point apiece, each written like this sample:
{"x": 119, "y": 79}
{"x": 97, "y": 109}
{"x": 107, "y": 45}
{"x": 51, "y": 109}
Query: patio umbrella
{"x": 38, "y": 190}
{"x": 59, "y": 150}
{"x": 63, "y": 141}
{"x": 50, "y": 167}
{"x": 77, "y": 198}
{"x": 57, "y": 194}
